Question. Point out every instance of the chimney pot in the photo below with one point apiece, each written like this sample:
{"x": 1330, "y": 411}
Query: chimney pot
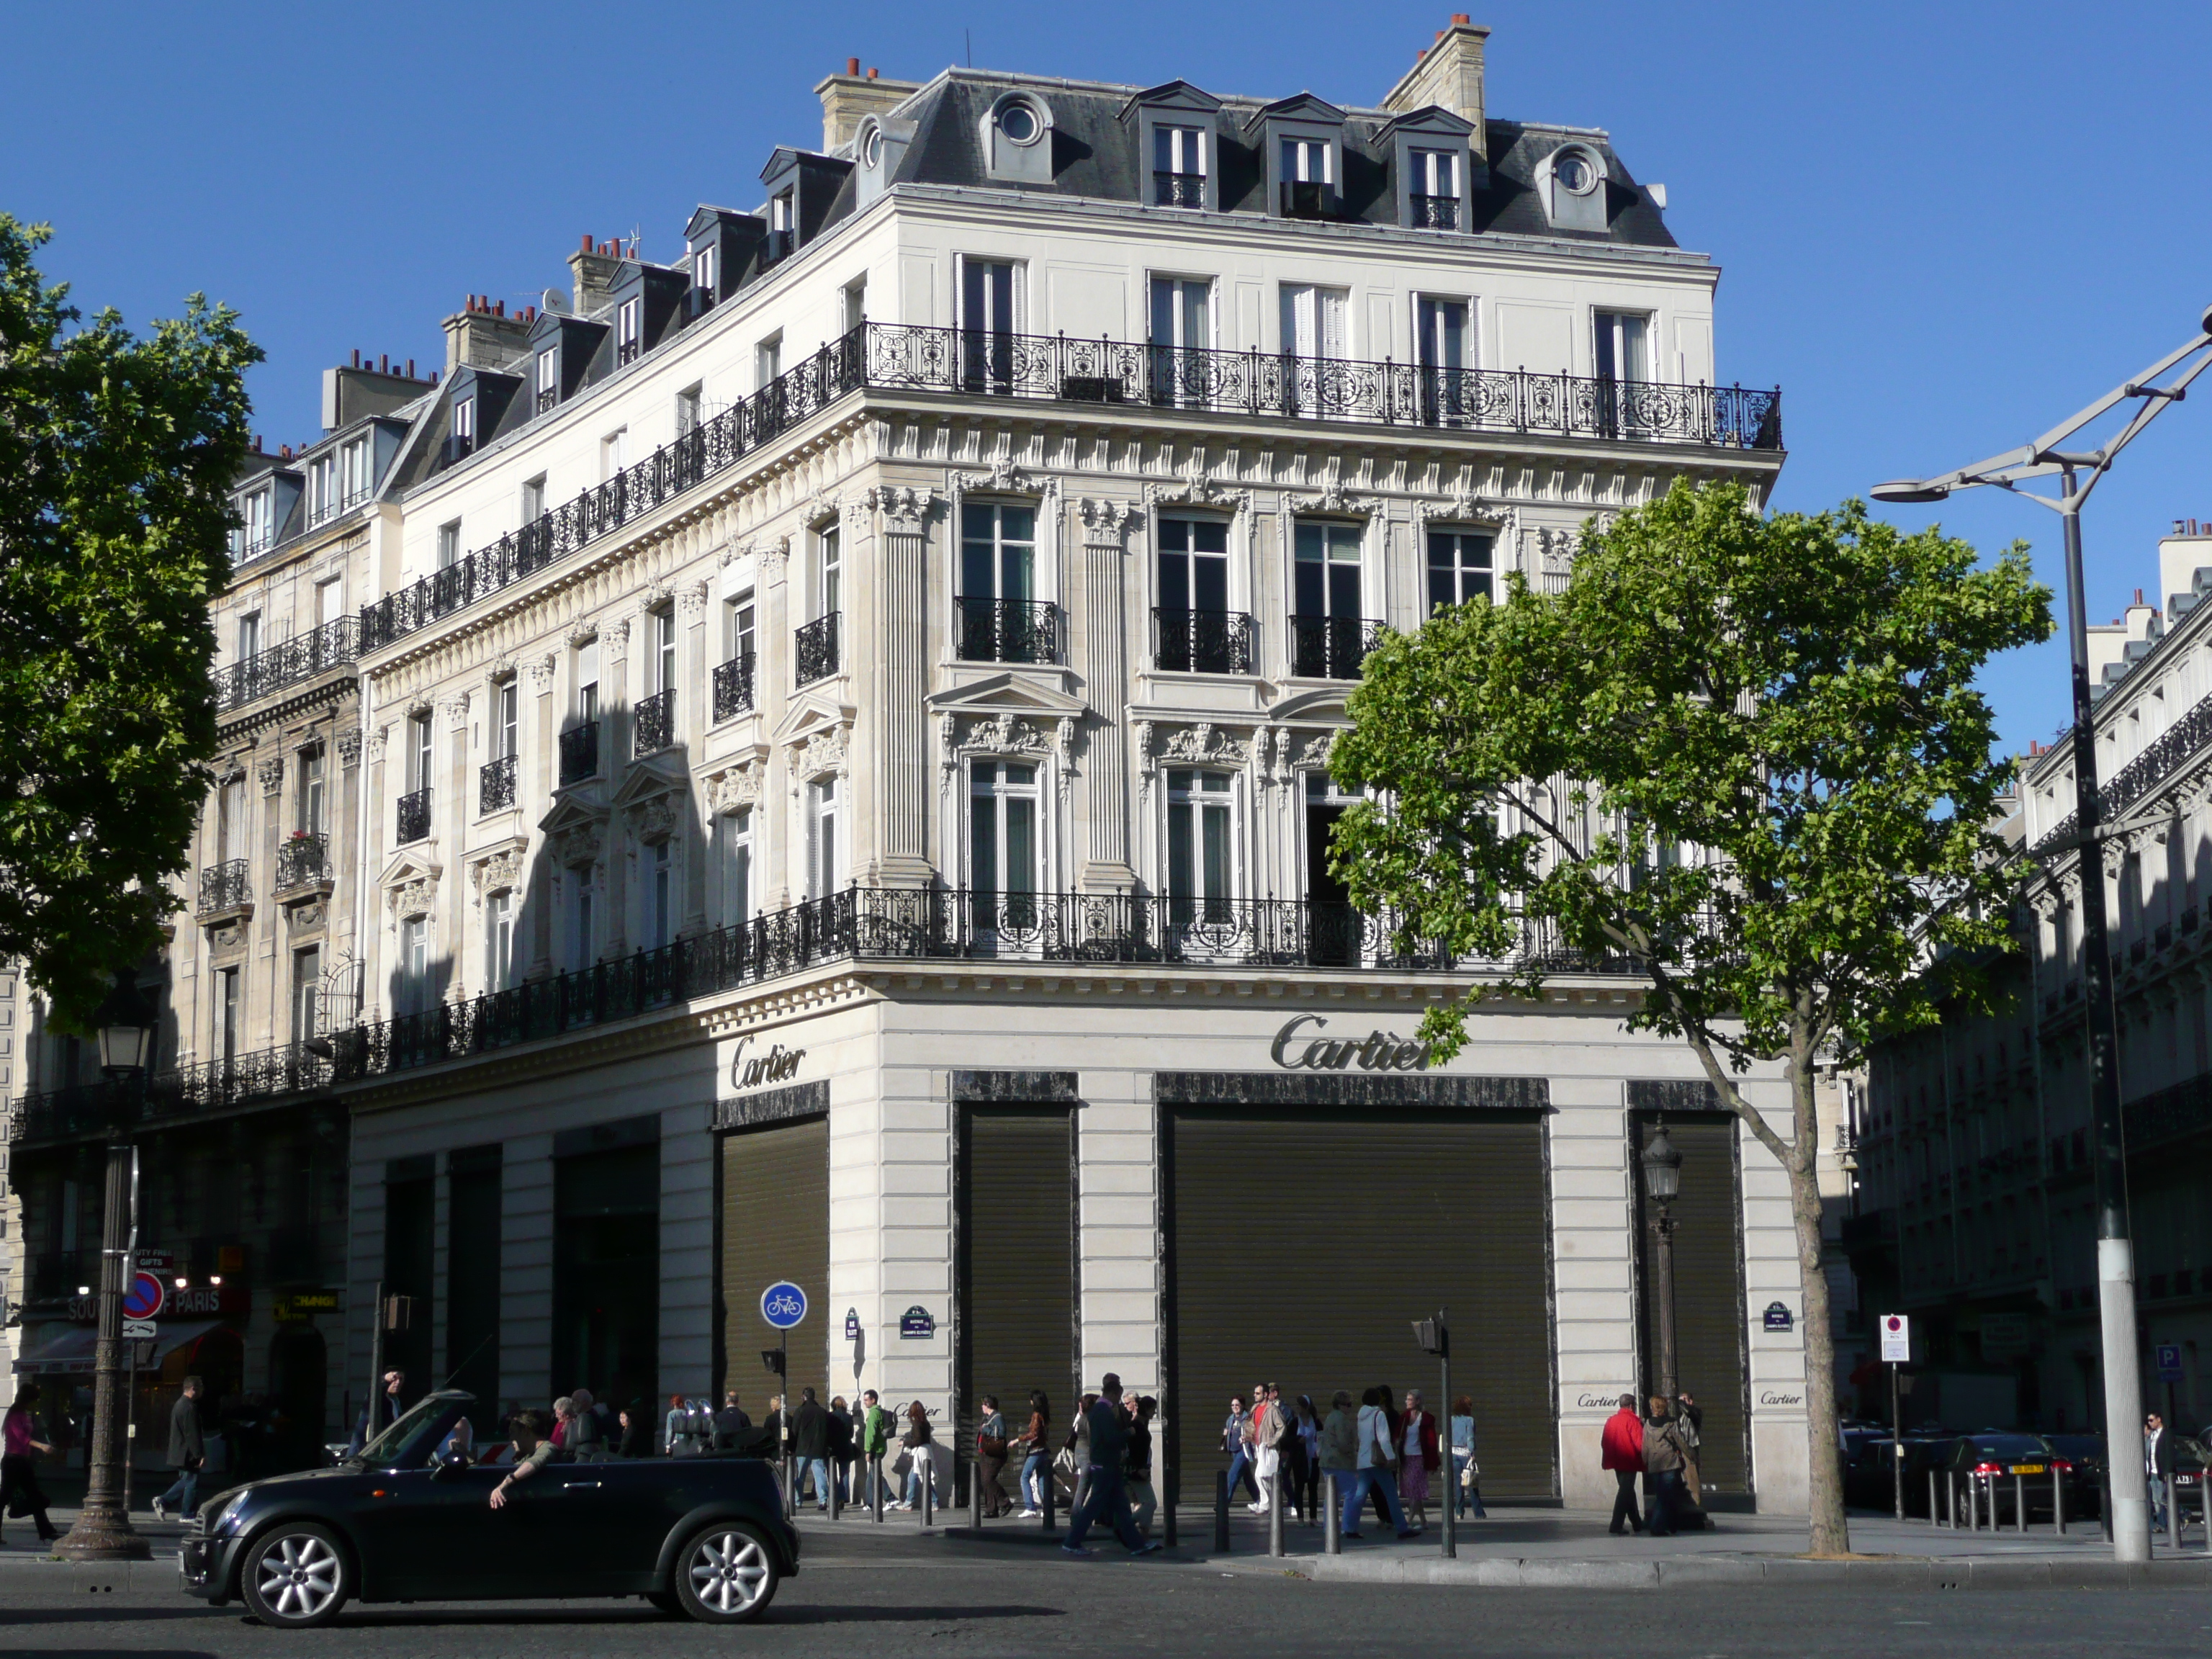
{"x": 433, "y": 377}
{"x": 411, "y": 369}
{"x": 2138, "y": 596}
{"x": 499, "y": 309}
{"x": 852, "y": 66}
{"x": 356, "y": 357}
{"x": 1440, "y": 35}
{"x": 587, "y": 241}
{"x": 384, "y": 363}
{"x": 1461, "y": 19}
{"x": 872, "y": 71}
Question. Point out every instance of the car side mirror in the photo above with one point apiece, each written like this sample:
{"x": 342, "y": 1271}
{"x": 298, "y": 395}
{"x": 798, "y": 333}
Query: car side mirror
{"x": 449, "y": 1466}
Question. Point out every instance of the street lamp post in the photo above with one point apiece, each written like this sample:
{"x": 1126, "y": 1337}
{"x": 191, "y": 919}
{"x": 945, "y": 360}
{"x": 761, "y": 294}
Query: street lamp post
{"x": 2078, "y": 471}
{"x": 1662, "y": 1180}
{"x": 103, "y": 1531}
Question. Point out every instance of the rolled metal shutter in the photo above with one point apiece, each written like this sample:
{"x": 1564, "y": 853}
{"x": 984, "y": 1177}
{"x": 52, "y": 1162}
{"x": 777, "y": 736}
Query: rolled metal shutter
{"x": 775, "y": 1225}
{"x": 1017, "y": 1266}
{"x": 1710, "y": 1326}
{"x": 1306, "y": 1243}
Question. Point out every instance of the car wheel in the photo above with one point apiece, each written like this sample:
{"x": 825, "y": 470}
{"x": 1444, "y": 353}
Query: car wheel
{"x": 725, "y": 1575}
{"x": 664, "y": 1600}
{"x": 296, "y": 1577}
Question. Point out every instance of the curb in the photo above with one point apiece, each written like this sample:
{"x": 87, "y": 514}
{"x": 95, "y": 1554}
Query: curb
{"x": 1685, "y": 1572}
{"x": 21, "y": 1572}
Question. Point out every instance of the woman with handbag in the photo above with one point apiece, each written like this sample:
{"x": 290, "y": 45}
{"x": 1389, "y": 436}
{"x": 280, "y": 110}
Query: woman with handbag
{"x": 1036, "y": 1444}
{"x": 1466, "y": 1488}
{"x": 1418, "y": 1442}
{"x": 916, "y": 1440}
{"x": 991, "y": 1458}
{"x": 20, "y": 1493}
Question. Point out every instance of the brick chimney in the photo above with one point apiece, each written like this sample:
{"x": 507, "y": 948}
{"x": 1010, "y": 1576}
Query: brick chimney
{"x": 846, "y": 98}
{"x": 595, "y": 269}
{"x": 1448, "y": 72}
{"x": 484, "y": 336}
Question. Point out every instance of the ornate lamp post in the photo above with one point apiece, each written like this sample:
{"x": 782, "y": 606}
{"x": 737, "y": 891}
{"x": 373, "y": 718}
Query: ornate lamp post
{"x": 103, "y": 1530}
{"x": 1662, "y": 1180}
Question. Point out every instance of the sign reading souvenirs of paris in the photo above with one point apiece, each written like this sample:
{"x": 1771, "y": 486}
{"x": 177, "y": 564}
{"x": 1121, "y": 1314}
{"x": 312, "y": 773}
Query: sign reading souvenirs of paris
{"x": 1380, "y": 1051}
{"x": 775, "y": 1066}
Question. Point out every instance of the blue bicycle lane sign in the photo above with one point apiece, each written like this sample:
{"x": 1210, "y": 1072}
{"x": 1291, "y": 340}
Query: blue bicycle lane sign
{"x": 783, "y": 1305}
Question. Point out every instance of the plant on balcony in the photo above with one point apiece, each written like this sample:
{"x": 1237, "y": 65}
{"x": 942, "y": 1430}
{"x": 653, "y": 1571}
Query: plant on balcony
{"x": 118, "y": 455}
{"x": 1788, "y": 779}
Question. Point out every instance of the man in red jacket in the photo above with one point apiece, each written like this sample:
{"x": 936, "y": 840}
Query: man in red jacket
{"x": 1624, "y": 1454}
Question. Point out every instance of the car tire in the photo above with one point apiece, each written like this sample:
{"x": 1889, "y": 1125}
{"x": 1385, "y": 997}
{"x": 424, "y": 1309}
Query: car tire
{"x": 726, "y": 1573}
{"x": 296, "y": 1576}
{"x": 666, "y": 1601}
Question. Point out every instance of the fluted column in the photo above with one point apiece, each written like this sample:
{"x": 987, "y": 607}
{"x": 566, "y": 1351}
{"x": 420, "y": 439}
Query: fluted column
{"x": 902, "y": 646}
{"x": 1104, "y": 633}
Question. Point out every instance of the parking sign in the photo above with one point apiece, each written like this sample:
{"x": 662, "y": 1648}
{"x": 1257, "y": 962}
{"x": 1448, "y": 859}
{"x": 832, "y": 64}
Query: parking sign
{"x": 1896, "y": 1339}
{"x": 2169, "y": 1362}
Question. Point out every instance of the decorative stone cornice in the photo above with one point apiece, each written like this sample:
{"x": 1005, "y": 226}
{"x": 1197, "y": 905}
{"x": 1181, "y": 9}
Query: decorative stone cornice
{"x": 903, "y": 508}
{"x": 1105, "y": 522}
{"x": 350, "y": 747}
{"x": 1198, "y": 492}
{"x": 496, "y": 872}
{"x": 270, "y": 772}
{"x": 1004, "y": 478}
{"x": 1335, "y": 499}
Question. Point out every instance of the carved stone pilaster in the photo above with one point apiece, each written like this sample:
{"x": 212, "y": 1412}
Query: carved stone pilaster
{"x": 902, "y": 644}
{"x": 1105, "y": 659}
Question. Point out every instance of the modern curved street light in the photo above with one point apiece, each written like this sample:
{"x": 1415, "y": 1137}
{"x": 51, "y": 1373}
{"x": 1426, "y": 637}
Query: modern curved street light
{"x": 2166, "y": 382}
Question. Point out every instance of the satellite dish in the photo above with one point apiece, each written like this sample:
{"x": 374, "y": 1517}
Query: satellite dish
{"x": 554, "y": 301}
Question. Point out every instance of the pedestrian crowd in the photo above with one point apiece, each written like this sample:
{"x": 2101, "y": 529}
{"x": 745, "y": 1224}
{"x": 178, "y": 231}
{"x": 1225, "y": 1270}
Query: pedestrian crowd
{"x": 1660, "y": 1445}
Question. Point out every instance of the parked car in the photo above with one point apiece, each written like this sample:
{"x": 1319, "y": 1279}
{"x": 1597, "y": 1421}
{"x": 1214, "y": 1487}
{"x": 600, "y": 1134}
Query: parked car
{"x": 2085, "y": 1486}
{"x": 1869, "y": 1481}
{"x": 704, "y": 1535}
{"x": 1993, "y": 1459}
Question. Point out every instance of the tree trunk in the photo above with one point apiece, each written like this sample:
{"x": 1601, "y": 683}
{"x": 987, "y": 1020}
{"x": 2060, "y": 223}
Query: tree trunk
{"x": 1831, "y": 1531}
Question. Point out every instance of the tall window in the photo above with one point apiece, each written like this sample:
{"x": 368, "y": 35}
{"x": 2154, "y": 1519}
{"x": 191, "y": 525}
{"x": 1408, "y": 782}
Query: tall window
{"x": 581, "y": 921}
{"x": 587, "y": 683}
{"x": 660, "y": 898}
{"x": 823, "y": 853}
{"x": 768, "y": 361}
{"x": 322, "y": 488}
{"x": 1315, "y": 321}
{"x": 314, "y": 784}
{"x": 1002, "y": 844}
{"x": 1193, "y": 633}
{"x": 534, "y": 499}
{"x": 353, "y": 471}
{"x": 329, "y": 600}
{"x": 1179, "y": 167}
{"x": 740, "y": 621}
{"x": 548, "y": 379}
{"x": 703, "y": 266}
{"x": 306, "y": 992}
{"x": 421, "y": 757}
{"x": 415, "y": 963}
{"x": 687, "y": 410}
{"x": 998, "y": 571}
{"x": 249, "y": 635}
{"x": 1182, "y": 330}
{"x": 506, "y": 729}
{"x": 499, "y": 940}
{"x": 1201, "y": 845}
{"x": 1624, "y": 346}
{"x": 465, "y": 425}
{"x": 737, "y": 833}
{"x": 260, "y": 527}
{"x": 856, "y": 303}
{"x": 990, "y": 298}
{"x": 832, "y": 594}
{"x": 663, "y": 650}
{"x": 629, "y": 329}
{"x": 225, "y": 1014}
{"x": 614, "y": 453}
{"x": 1327, "y": 635}
{"x": 1433, "y": 192}
{"x": 449, "y": 544}
{"x": 1306, "y": 161}
{"x": 1459, "y": 567}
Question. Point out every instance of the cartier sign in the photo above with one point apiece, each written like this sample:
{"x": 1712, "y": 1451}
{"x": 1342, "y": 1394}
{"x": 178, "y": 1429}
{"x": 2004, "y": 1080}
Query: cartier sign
{"x": 1297, "y": 1047}
{"x": 776, "y": 1065}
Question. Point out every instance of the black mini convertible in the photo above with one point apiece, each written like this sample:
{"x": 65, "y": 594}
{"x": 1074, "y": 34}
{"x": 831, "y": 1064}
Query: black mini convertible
{"x": 704, "y": 1535}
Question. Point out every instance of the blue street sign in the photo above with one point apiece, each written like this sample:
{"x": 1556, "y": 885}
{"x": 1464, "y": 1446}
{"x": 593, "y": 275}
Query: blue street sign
{"x": 917, "y": 1323}
{"x": 783, "y": 1305}
{"x": 852, "y": 1324}
{"x": 2169, "y": 1362}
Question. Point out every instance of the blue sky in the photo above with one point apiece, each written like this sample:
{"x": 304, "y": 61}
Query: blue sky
{"x": 1942, "y": 228}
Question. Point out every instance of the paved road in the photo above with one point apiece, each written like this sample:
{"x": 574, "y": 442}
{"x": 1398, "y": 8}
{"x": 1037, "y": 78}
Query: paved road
{"x": 896, "y": 1596}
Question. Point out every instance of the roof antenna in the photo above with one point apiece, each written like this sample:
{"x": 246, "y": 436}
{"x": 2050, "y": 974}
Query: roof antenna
{"x": 969, "y": 35}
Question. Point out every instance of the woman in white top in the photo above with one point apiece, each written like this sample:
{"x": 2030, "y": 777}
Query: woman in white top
{"x": 1465, "y": 1473}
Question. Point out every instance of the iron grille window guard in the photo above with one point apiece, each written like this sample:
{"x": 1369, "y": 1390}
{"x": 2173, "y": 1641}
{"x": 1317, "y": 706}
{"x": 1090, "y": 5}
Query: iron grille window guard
{"x": 898, "y": 358}
{"x": 182, "y": 1092}
{"x": 1179, "y": 190}
{"x": 1307, "y": 198}
{"x": 303, "y": 859}
{"x": 628, "y": 351}
{"x": 224, "y": 886}
{"x": 1433, "y": 212}
{"x": 1202, "y": 642}
{"x": 1008, "y": 630}
{"x": 734, "y": 686}
{"x": 548, "y": 399}
{"x": 814, "y": 650}
{"x": 496, "y": 784}
{"x": 653, "y": 725}
{"x": 1331, "y": 647}
{"x": 414, "y": 816}
{"x": 301, "y": 658}
{"x": 579, "y": 752}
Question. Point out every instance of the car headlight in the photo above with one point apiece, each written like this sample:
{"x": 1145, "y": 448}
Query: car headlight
{"x": 225, "y": 1520}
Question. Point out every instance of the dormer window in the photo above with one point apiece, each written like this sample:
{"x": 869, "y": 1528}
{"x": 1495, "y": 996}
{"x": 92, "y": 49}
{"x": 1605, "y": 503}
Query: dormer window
{"x": 1179, "y": 167}
{"x": 630, "y": 330}
{"x": 1306, "y": 177}
{"x": 1174, "y": 127}
{"x": 322, "y": 488}
{"x": 465, "y": 427}
{"x": 354, "y": 481}
{"x": 1302, "y": 139}
{"x": 782, "y": 226}
{"x": 548, "y": 379}
{"x": 702, "y": 275}
{"x": 872, "y": 147}
{"x": 1573, "y": 178}
{"x": 1432, "y": 203}
{"x": 1016, "y": 140}
{"x": 259, "y": 529}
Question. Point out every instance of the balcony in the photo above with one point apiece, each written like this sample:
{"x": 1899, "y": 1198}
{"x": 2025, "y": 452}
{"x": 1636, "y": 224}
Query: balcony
{"x": 303, "y": 862}
{"x": 496, "y": 784}
{"x": 1179, "y": 190}
{"x": 733, "y": 687}
{"x": 1007, "y": 630}
{"x": 653, "y": 725}
{"x": 897, "y": 358}
{"x": 224, "y": 887}
{"x": 814, "y": 650}
{"x": 414, "y": 816}
{"x": 580, "y": 753}
{"x": 1306, "y": 198}
{"x": 302, "y": 658}
{"x": 183, "y": 1092}
{"x": 628, "y": 352}
{"x": 548, "y": 398}
{"x": 776, "y": 247}
{"x": 1331, "y": 647}
{"x": 1201, "y": 641}
{"x": 456, "y": 448}
{"x": 1432, "y": 212}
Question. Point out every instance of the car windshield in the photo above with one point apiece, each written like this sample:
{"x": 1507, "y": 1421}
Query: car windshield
{"x": 2007, "y": 1445}
{"x": 384, "y": 1449}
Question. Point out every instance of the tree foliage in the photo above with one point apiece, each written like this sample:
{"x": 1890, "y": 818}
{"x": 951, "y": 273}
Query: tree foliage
{"x": 117, "y": 455}
{"x": 1741, "y": 756}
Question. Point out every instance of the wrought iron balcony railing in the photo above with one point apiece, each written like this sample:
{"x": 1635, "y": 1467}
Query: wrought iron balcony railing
{"x": 414, "y": 816}
{"x": 1307, "y": 198}
{"x": 224, "y": 886}
{"x": 1007, "y": 630}
{"x": 1433, "y": 212}
{"x": 2161, "y": 758}
{"x": 1331, "y": 647}
{"x": 734, "y": 686}
{"x": 579, "y": 752}
{"x": 894, "y": 357}
{"x": 303, "y": 859}
{"x": 181, "y": 1091}
{"x": 1179, "y": 190}
{"x": 814, "y": 650}
{"x": 299, "y": 658}
{"x": 1202, "y": 642}
{"x": 496, "y": 784}
{"x": 652, "y": 726}
{"x": 628, "y": 352}
{"x": 548, "y": 398}
{"x": 899, "y": 925}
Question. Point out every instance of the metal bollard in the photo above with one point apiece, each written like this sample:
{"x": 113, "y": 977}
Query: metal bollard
{"x": 928, "y": 1491}
{"x": 2019, "y": 1501}
{"x": 1934, "y": 1518}
{"x": 1051, "y": 1489}
{"x": 1221, "y": 1511}
{"x": 975, "y": 1496}
{"x": 836, "y": 1493}
{"x": 876, "y": 1489}
{"x": 1168, "y": 1515}
{"x": 1275, "y": 1513}
{"x": 2173, "y": 1513}
{"x": 2104, "y": 1502}
{"x": 2058, "y": 1500}
{"x": 1333, "y": 1523}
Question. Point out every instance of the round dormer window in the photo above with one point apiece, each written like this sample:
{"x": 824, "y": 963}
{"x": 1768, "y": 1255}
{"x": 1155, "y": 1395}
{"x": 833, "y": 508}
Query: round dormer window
{"x": 872, "y": 147}
{"x": 1574, "y": 172}
{"x": 1019, "y": 122}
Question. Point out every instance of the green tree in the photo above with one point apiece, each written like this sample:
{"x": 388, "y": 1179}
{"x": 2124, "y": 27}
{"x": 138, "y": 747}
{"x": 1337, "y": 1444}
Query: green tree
{"x": 1763, "y": 777}
{"x": 118, "y": 454}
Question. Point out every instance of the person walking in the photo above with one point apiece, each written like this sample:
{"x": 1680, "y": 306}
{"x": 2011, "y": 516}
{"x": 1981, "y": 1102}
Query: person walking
{"x": 840, "y": 1447}
{"x": 2158, "y": 1468}
{"x": 991, "y": 1458}
{"x": 1388, "y": 1402}
{"x": 729, "y": 1422}
{"x": 1690, "y": 1418}
{"x": 380, "y": 1414}
{"x": 1036, "y": 1443}
{"x": 1137, "y": 1466}
{"x": 810, "y": 1446}
{"x": 1105, "y": 1487}
{"x": 1306, "y": 1425}
{"x": 20, "y": 1492}
{"x": 586, "y": 1440}
{"x": 1664, "y": 1454}
{"x": 875, "y": 1441}
{"x": 187, "y": 1454}
{"x": 1620, "y": 1448}
{"x": 1338, "y": 1448}
{"x": 1420, "y": 1457}
{"x": 916, "y": 1439}
{"x": 1374, "y": 1470}
{"x": 1269, "y": 1431}
{"x": 1236, "y": 1441}
{"x": 1466, "y": 1490}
